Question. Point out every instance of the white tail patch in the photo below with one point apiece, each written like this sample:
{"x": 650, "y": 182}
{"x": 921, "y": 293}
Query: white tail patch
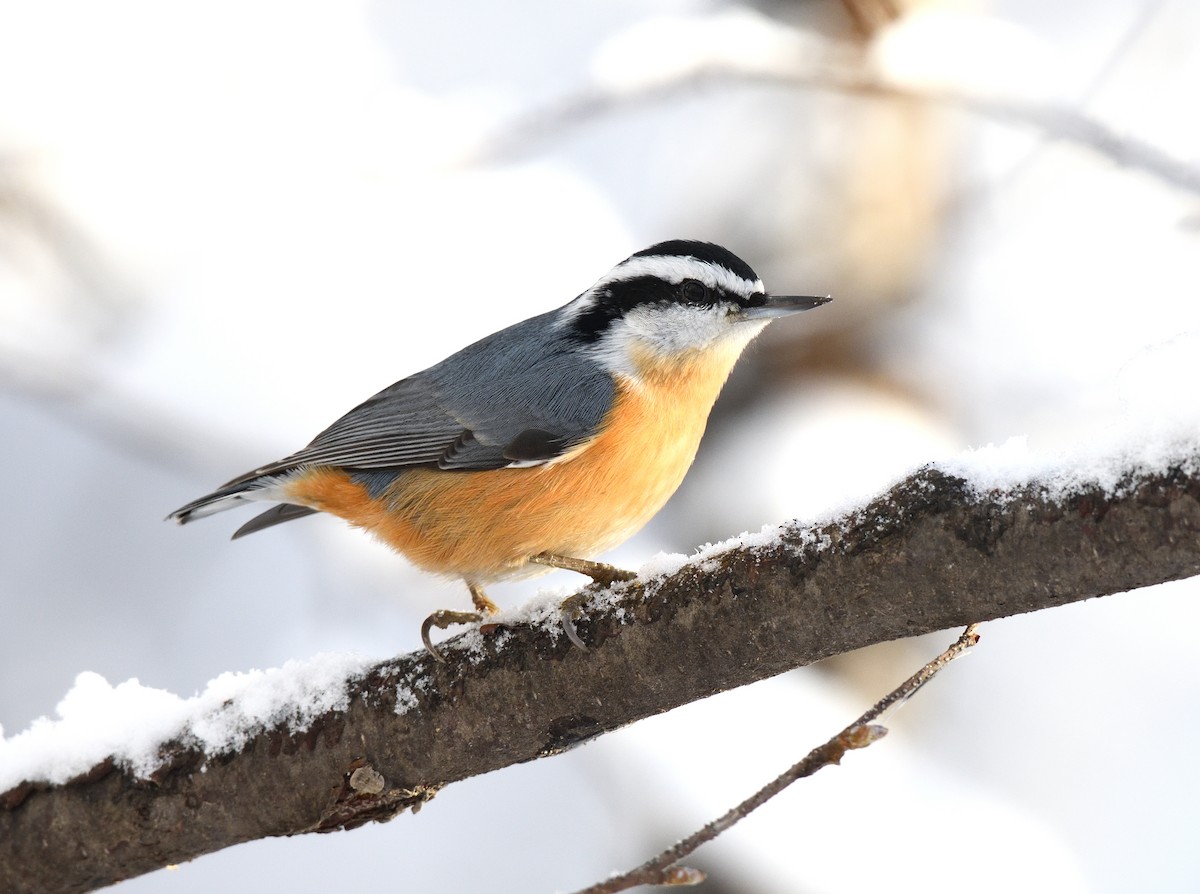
{"x": 252, "y": 492}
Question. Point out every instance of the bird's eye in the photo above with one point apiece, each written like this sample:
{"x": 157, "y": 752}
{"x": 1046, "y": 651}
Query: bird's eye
{"x": 695, "y": 292}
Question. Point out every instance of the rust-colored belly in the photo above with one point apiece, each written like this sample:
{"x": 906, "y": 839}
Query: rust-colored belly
{"x": 484, "y": 525}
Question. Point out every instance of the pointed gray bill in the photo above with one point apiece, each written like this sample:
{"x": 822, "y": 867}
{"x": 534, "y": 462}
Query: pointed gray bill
{"x": 782, "y": 305}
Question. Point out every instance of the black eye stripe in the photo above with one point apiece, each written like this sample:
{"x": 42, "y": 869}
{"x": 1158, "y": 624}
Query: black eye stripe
{"x": 591, "y": 323}
{"x": 613, "y": 298}
{"x": 616, "y": 300}
{"x": 620, "y": 297}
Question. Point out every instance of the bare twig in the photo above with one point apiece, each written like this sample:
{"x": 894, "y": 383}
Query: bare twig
{"x": 661, "y": 870}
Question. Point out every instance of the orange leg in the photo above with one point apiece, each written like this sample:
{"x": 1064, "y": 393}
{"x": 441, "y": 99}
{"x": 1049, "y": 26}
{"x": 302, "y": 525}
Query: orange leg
{"x": 482, "y": 603}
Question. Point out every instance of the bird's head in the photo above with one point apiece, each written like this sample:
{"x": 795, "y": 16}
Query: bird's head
{"x": 675, "y": 302}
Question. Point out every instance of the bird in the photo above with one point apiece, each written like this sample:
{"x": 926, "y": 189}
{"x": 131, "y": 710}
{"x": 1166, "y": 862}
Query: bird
{"x": 541, "y": 445}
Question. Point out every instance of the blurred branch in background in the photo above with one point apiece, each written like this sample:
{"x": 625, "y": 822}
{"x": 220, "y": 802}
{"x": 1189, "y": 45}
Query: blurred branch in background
{"x": 871, "y": 15}
{"x": 65, "y": 303}
{"x": 66, "y": 272}
{"x": 932, "y": 553}
{"x": 71, "y": 390}
{"x": 1055, "y": 121}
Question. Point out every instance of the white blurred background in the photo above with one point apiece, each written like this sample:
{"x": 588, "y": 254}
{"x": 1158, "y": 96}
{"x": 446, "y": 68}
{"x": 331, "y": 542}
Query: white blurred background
{"x": 223, "y": 224}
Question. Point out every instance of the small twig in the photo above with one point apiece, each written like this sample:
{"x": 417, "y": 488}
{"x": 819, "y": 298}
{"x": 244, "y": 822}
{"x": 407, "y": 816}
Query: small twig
{"x": 661, "y": 870}
{"x": 912, "y": 685}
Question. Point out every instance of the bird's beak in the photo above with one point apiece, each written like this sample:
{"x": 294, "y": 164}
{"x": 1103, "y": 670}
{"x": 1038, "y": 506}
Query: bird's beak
{"x": 782, "y": 305}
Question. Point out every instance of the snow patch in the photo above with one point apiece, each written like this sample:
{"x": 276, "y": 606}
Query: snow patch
{"x": 662, "y": 565}
{"x": 1159, "y": 427}
{"x": 131, "y": 722}
{"x": 406, "y": 700}
{"x": 1103, "y": 465}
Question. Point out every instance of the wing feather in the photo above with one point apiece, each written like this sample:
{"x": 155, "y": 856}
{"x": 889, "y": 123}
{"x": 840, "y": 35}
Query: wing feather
{"x": 475, "y": 410}
{"x": 520, "y": 397}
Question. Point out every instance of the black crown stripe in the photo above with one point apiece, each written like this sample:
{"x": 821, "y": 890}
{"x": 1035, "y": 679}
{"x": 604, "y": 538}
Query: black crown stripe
{"x": 701, "y": 251}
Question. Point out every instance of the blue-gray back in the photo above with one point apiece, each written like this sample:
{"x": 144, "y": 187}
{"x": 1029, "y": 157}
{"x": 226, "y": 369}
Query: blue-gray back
{"x": 519, "y": 396}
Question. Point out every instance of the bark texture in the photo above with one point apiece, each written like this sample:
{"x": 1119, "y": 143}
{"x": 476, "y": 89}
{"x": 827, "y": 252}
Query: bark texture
{"x": 928, "y": 555}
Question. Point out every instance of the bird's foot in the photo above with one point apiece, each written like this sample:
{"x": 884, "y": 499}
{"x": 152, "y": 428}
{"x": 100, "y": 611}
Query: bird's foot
{"x": 572, "y": 607}
{"x": 441, "y": 619}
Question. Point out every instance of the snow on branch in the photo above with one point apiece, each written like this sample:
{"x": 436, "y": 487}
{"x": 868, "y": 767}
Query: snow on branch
{"x": 331, "y": 743}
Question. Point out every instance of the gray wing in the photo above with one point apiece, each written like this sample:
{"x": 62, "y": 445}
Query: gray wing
{"x": 519, "y": 397}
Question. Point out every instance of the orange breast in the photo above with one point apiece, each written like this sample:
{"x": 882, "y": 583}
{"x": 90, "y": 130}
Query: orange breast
{"x": 484, "y": 525}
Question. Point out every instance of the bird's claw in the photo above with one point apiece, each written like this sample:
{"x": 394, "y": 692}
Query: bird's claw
{"x": 571, "y": 608}
{"x": 441, "y": 619}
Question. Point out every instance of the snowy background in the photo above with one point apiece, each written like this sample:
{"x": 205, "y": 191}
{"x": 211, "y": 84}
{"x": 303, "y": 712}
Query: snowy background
{"x": 223, "y": 224}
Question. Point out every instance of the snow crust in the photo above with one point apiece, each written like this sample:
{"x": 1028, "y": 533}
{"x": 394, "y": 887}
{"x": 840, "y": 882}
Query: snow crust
{"x": 130, "y": 722}
{"x": 1014, "y": 464}
{"x": 1158, "y": 427}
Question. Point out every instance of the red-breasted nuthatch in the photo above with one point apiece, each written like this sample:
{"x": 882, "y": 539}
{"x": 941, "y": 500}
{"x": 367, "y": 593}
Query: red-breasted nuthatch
{"x": 541, "y": 445}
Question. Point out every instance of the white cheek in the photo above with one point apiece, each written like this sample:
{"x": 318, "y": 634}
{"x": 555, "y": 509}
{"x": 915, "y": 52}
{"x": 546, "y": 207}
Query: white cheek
{"x": 673, "y": 329}
{"x": 670, "y": 333}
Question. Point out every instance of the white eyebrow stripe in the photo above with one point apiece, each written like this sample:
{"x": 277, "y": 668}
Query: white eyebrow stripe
{"x": 676, "y": 269}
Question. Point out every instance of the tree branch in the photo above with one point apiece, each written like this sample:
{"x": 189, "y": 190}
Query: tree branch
{"x": 928, "y": 555}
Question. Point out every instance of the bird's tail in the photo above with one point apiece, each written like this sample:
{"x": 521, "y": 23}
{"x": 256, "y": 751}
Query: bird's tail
{"x": 250, "y": 488}
{"x": 236, "y": 493}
